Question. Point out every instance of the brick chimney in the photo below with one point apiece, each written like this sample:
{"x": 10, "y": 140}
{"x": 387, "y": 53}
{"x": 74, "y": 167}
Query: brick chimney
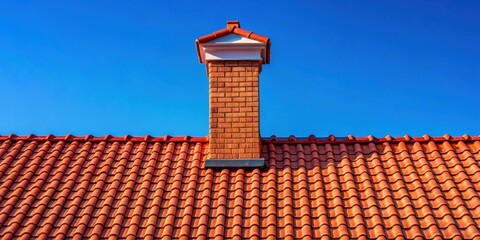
{"x": 234, "y": 59}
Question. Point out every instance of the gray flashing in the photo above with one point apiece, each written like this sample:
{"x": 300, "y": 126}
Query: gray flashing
{"x": 235, "y": 163}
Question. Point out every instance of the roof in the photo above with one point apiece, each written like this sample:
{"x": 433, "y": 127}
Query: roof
{"x": 146, "y": 187}
{"x": 233, "y": 27}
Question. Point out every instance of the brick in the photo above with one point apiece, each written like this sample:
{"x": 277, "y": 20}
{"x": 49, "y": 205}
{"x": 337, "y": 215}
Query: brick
{"x": 239, "y": 69}
{"x": 217, "y": 74}
{"x": 224, "y": 80}
{"x": 246, "y": 155}
{"x": 234, "y": 126}
{"x": 224, "y": 110}
{"x": 225, "y": 125}
{"x": 216, "y": 130}
{"x": 252, "y": 104}
{"x": 246, "y": 94}
{"x": 241, "y": 135}
{"x": 246, "y": 74}
{"x": 232, "y": 104}
{"x": 217, "y": 95}
{"x": 224, "y": 150}
{"x": 231, "y": 130}
{"x": 238, "y": 99}
{"x": 214, "y": 86}
{"x": 238, "y": 151}
{"x": 232, "y": 94}
{"x": 219, "y": 104}
{"x": 217, "y": 115}
{"x": 231, "y": 146}
{"x": 232, "y": 74}
{"x": 251, "y": 119}
{"x": 238, "y": 125}
{"x": 224, "y": 69}
{"x": 231, "y": 84}
{"x": 224, "y": 99}
{"x": 219, "y": 145}
{"x": 236, "y": 119}
{"x": 240, "y": 114}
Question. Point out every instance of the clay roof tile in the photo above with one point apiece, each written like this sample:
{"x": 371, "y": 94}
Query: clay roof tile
{"x": 353, "y": 187}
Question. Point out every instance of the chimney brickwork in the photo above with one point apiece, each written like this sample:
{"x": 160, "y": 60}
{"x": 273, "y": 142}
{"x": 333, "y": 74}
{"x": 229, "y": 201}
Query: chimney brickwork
{"x": 234, "y": 109}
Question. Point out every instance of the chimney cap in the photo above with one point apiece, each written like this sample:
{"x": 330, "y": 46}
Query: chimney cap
{"x": 233, "y": 43}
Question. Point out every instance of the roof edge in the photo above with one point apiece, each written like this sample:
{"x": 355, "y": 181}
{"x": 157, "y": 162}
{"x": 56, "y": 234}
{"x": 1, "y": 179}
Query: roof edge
{"x": 272, "y": 139}
{"x": 370, "y": 138}
{"x": 108, "y": 137}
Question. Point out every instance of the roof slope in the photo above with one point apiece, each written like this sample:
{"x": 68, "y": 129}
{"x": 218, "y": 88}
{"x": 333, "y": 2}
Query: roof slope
{"x": 312, "y": 188}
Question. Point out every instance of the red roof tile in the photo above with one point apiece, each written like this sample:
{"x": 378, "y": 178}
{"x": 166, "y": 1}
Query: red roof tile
{"x": 312, "y": 188}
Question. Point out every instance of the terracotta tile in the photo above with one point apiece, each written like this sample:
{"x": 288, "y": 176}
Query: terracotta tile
{"x": 362, "y": 190}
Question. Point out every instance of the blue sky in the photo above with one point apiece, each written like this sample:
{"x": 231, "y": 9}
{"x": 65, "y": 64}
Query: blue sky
{"x": 337, "y": 67}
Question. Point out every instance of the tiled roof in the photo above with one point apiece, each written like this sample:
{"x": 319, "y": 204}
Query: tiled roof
{"x": 145, "y": 187}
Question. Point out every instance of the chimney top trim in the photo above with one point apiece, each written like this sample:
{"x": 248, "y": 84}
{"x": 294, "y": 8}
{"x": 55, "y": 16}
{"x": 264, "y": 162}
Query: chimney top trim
{"x": 232, "y": 37}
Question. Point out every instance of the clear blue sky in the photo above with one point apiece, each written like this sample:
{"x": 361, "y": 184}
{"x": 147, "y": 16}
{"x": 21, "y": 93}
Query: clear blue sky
{"x": 337, "y": 67}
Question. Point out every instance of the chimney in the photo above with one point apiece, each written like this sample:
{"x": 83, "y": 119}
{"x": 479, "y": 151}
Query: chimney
{"x": 234, "y": 58}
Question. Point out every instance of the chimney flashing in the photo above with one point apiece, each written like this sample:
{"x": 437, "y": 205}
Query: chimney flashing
{"x": 244, "y": 163}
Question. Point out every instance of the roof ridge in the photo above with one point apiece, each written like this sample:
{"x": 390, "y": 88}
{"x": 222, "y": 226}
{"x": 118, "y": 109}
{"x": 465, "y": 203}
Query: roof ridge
{"x": 369, "y": 138}
{"x": 272, "y": 139}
